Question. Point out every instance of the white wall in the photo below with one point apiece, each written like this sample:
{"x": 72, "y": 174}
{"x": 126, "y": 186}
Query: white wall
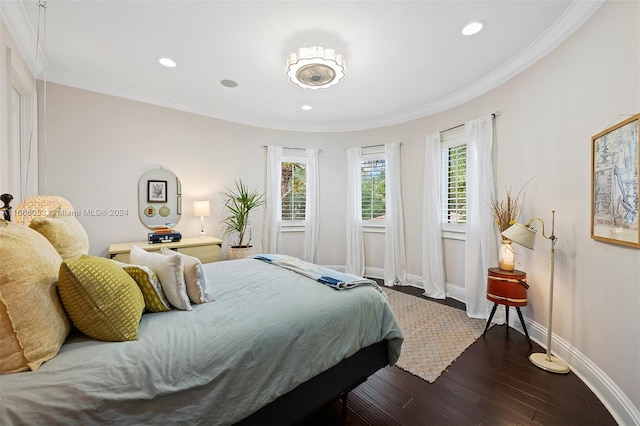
{"x": 98, "y": 146}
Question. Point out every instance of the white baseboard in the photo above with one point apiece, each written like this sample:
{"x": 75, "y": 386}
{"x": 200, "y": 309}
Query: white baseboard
{"x": 614, "y": 399}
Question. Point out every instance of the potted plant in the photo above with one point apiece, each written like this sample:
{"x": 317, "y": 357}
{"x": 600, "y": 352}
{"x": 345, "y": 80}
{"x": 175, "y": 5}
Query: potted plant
{"x": 239, "y": 203}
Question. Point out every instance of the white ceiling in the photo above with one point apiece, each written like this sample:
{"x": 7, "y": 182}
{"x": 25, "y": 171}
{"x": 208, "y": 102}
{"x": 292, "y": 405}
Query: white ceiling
{"x": 404, "y": 59}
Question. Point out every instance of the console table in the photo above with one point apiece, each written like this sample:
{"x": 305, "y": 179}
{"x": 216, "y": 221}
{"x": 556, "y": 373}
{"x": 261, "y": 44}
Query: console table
{"x": 207, "y": 249}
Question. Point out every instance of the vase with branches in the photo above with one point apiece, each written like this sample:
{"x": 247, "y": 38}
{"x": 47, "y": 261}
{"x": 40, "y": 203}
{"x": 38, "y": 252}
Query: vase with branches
{"x": 505, "y": 213}
{"x": 239, "y": 203}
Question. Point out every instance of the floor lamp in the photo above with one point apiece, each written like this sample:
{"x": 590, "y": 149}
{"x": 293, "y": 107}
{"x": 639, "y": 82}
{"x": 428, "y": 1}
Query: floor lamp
{"x": 525, "y": 236}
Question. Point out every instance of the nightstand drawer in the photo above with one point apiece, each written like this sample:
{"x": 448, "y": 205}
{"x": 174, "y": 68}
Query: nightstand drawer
{"x": 206, "y": 254}
{"x": 206, "y": 249}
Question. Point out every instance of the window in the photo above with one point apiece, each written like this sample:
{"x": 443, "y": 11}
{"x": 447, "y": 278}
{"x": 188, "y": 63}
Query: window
{"x": 293, "y": 190}
{"x": 454, "y": 162}
{"x": 373, "y": 187}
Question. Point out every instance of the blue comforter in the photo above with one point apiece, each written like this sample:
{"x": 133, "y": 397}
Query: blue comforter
{"x": 268, "y": 330}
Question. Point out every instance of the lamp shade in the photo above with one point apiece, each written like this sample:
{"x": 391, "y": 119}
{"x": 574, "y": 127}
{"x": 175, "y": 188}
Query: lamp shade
{"x": 201, "y": 208}
{"x": 520, "y": 234}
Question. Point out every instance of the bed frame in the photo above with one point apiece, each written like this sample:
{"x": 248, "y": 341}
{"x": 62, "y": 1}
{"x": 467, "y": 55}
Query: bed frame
{"x": 327, "y": 386}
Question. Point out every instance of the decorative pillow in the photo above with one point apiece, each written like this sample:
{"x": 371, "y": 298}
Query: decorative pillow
{"x": 170, "y": 271}
{"x": 148, "y": 282}
{"x": 33, "y": 324}
{"x": 102, "y": 300}
{"x": 194, "y": 277}
{"x": 65, "y": 233}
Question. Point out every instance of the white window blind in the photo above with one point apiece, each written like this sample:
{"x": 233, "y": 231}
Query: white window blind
{"x": 373, "y": 186}
{"x": 454, "y": 161}
{"x": 293, "y": 190}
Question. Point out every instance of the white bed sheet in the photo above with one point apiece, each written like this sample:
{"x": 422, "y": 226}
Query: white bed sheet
{"x": 268, "y": 331}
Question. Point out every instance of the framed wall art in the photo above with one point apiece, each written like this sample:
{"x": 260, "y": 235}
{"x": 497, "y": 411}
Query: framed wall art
{"x": 157, "y": 191}
{"x": 615, "y": 161}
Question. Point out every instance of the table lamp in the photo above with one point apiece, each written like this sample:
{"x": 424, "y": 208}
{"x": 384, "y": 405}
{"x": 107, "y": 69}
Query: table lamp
{"x": 525, "y": 236}
{"x": 201, "y": 208}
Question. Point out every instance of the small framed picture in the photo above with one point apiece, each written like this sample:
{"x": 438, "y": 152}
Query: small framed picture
{"x": 157, "y": 191}
{"x": 615, "y": 160}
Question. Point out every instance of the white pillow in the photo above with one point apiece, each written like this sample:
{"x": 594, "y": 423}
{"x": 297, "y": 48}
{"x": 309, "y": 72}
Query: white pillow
{"x": 170, "y": 272}
{"x": 194, "y": 277}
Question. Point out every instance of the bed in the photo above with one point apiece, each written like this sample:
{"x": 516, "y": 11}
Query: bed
{"x": 271, "y": 347}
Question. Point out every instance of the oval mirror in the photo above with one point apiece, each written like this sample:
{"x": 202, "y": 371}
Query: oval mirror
{"x": 159, "y": 199}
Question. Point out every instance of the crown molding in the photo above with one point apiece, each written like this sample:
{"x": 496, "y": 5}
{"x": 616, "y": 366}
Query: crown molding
{"x": 14, "y": 17}
{"x": 576, "y": 15}
{"x": 579, "y": 12}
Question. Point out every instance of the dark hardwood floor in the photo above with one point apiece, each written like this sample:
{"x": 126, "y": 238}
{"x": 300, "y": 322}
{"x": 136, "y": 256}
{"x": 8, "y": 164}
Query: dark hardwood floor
{"x": 491, "y": 383}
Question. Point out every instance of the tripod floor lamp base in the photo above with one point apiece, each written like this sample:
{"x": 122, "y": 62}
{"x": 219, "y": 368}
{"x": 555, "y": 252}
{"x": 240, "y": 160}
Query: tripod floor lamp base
{"x": 549, "y": 363}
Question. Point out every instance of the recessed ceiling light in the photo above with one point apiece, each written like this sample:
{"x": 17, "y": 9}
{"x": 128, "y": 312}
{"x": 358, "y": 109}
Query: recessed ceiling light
{"x": 473, "y": 28}
{"x": 306, "y": 107}
{"x": 169, "y": 63}
{"x": 228, "y": 83}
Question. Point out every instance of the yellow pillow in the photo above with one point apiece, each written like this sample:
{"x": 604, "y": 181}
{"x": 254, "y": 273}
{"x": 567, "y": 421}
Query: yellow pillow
{"x": 148, "y": 282}
{"x": 33, "y": 324}
{"x": 102, "y": 300}
{"x": 65, "y": 233}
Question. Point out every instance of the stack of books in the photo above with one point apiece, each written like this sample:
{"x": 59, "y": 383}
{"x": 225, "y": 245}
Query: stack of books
{"x": 164, "y": 235}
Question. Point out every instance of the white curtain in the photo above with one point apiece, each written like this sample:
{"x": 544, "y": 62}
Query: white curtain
{"x": 355, "y": 241}
{"x": 273, "y": 220}
{"x": 433, "y": 278}
{"x": 395, "y": 260}
{"x": 480, "y": 247}
{"x": 311, "y": 224}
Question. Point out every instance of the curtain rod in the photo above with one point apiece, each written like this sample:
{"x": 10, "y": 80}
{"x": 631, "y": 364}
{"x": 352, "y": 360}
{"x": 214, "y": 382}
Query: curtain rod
{"x": 376, "y": 145}
{"x": 494, "y": 115}
{"x": 290, "y": 147}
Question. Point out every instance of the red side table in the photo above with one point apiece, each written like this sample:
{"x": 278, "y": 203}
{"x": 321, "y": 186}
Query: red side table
{"x": 508, "y": 288}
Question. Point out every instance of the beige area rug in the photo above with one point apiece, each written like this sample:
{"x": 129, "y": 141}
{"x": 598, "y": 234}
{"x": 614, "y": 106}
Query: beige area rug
{"x": 434, "y": 334}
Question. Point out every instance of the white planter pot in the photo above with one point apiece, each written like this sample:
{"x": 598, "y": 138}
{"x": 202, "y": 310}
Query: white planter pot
{"x": 239, "y": 252}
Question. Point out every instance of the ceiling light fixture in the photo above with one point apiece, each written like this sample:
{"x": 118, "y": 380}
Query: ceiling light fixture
{"x": 306, "y": 107}
{"x": 167, "y": 62}
{"x": 315, "y": 67}
{"x": 473, "y": 28}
